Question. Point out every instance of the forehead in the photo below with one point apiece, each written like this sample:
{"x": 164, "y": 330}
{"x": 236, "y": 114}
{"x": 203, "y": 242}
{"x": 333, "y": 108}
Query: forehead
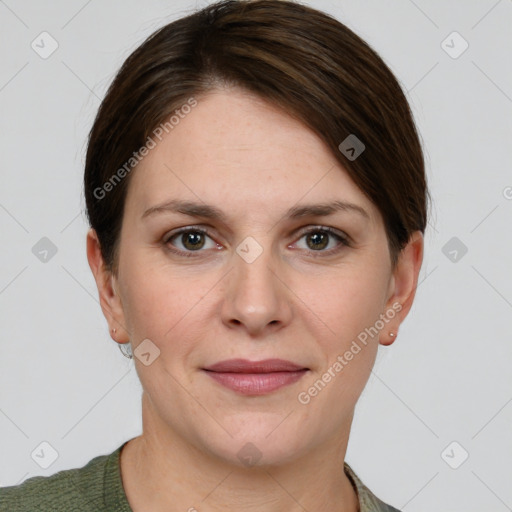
{"x": 238, "y": 151}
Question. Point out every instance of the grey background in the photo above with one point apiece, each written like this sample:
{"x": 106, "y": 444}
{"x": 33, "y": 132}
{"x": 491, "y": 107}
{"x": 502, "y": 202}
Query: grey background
{"x": 447, "y": 377}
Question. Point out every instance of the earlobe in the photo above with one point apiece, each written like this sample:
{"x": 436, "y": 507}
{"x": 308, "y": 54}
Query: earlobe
{"x": 403, "y": 284}
{"x": 110, "y": 300}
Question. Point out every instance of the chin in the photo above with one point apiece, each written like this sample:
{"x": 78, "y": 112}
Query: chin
{"x": 264, "y": 447}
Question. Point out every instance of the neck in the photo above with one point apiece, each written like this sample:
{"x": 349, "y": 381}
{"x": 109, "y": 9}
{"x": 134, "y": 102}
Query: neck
{"x": 162, "y": 472}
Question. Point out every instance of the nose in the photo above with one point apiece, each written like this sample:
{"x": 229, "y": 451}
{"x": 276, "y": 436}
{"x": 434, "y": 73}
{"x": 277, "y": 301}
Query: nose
{"x": 256, "y": 298}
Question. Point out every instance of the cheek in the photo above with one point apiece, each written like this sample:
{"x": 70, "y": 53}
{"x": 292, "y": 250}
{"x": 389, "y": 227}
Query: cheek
{"x": 360, "y": 308}
{"x": 152, "y": 300}
{"x": 346, "y": 302}
{"x": 165, "y": 304}
{"x": 347, "y": 311}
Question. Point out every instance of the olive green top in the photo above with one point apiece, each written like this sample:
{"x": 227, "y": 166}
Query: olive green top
{"x": 97, "y": 487}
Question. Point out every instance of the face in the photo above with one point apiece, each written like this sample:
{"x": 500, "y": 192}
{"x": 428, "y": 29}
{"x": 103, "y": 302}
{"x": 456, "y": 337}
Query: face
{"x": 255, "y": 271}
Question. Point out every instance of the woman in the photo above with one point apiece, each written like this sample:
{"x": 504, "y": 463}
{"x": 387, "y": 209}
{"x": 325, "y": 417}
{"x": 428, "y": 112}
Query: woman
{"x": 257, "y": 199}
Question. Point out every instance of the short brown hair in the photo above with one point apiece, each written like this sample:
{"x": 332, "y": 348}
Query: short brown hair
{"x": 299, "y": 59}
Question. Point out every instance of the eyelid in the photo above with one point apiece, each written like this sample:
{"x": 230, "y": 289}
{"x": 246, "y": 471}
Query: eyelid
{"x": 179, "y": 231}
{"x": 328, "y": 229}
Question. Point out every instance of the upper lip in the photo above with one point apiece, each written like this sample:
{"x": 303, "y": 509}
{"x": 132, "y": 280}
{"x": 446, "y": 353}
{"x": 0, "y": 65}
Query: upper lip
{"x": 263, "y": 366}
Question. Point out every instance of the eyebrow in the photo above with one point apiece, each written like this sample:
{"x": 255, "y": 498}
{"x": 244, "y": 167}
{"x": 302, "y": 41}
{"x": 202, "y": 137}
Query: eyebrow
{"x": 207, "y": 211}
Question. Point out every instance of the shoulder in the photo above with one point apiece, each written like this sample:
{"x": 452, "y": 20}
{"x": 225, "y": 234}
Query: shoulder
{"x": 368, "y": 502}
{"x": 71, "y": 490}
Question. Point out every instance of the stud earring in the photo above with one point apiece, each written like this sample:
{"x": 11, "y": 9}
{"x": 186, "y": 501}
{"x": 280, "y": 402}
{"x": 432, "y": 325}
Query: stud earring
{"x": 392, "y": 334}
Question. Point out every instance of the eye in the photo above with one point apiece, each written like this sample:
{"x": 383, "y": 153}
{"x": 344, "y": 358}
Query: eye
{"x": 321, "y": 237}
{"x": 189, "y": 240}
{"x": 322, "y": 240}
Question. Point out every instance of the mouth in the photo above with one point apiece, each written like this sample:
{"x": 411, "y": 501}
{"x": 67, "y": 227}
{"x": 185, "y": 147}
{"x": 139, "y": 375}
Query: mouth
{"x": 255, "y": 377}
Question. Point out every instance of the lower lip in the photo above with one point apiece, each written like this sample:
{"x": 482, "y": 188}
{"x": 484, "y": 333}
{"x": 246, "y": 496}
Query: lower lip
{"x": 256, "y": 383}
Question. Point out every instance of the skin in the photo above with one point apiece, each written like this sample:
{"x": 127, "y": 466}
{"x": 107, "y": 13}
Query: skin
{"x": 254, "y": 162}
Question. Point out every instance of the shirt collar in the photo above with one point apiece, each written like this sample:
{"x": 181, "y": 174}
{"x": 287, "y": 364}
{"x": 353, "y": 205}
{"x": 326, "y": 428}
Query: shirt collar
{"x": 368, "y": 502}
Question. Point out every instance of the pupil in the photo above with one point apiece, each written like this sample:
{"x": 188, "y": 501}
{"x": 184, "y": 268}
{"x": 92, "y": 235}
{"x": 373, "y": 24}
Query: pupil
{"x": 192, "y": 240}
{"x": 319, "y": 240}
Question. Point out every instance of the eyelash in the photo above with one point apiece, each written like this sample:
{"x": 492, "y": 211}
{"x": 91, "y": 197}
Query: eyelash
{"x": 344, "y": 241}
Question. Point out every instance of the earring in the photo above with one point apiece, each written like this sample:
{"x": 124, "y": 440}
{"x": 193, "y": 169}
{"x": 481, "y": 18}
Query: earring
{"x": 126, "y": 352}
{"x": 392, "y": 334}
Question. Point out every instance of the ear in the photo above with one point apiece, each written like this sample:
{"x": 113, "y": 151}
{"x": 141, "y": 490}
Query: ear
{"x": 106, "y": 282}
{"x": 403, "y": 284}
